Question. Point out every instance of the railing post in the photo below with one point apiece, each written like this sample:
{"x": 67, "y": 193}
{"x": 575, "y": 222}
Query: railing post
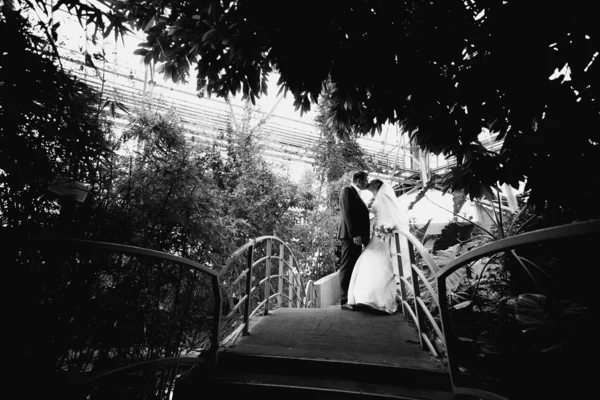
{"x": 250, "y": 259}
{"x": 416, "y": 291}
{"x": 216, "y": 331}
{"x": 280, "y": 286}
{"x": 293, "y": 279}
{"x": 447, "y": 329}
{"x": 400, "y": 271}
{"x": 290, "y": 288}
{"x": 297, "y": 286}
{"x": 268, "y": 276}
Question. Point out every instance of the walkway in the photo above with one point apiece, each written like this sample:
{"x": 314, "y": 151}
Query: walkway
{"x": 327, "y": 353}
{"x": 336, "y": 335}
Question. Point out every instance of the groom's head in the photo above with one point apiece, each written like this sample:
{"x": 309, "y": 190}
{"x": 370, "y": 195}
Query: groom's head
{"x": 360, "y": 179}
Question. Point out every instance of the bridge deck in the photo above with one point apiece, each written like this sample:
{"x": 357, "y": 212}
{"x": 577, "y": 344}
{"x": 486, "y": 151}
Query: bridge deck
{"x": 336, "y": 335}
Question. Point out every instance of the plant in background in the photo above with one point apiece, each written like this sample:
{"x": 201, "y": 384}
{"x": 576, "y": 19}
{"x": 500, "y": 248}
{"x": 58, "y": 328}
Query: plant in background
{"x": 510, "y": 309}
{"x": 49, "y": 127}
{"x": 313, "y": 238}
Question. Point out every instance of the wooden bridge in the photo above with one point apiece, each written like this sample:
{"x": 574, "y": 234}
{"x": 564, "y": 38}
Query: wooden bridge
{"x": 320, "y": 353}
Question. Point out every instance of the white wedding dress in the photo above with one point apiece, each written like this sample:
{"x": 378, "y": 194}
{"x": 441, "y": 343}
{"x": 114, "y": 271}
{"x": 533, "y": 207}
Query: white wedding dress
{"x": 373, "y": 282}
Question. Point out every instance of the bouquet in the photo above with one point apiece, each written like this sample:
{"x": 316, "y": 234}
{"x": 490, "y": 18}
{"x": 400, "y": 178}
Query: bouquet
{"x": 385, "y": 232}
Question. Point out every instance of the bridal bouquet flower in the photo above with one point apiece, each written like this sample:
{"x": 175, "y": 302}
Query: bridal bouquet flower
{"x": 384, "y": 232}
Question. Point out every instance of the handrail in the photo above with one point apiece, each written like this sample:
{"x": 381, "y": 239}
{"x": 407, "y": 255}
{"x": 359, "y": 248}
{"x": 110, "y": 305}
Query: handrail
{"x": 420, "y": 309}
{"x": 421, "y": 249}
{"x": 294, "y": 280}
{"x": 543, "y": 235}
{"x": 150, "y": 363}
{"x": 253, "y": 242}
{"x": 139, "y": 251}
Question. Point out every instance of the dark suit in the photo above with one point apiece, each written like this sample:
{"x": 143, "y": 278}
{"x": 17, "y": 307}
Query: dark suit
{"x": 354, "y": 221}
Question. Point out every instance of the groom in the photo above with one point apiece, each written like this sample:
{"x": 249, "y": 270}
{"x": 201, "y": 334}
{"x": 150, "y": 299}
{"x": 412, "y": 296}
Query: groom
{"x": 353, "y": 232}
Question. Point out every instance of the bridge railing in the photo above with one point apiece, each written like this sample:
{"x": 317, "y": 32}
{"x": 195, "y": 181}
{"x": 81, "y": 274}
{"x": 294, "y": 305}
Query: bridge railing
{"x": 420, "y": 313}
{"x": 120, "y": 318}
{"x": 464, "y": 386}
{"x": 256, "y": 280}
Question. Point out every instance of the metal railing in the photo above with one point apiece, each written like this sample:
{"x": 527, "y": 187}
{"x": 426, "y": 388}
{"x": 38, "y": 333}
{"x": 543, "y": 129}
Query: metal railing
{"x": 299, "y": 294}
{"x": 540, "y": 236}
{"x": 103, "y": 269}
{"x": 419, "y": 312}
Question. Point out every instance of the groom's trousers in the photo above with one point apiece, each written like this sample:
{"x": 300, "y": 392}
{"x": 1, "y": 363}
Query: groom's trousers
{"x": 350, "y": 253}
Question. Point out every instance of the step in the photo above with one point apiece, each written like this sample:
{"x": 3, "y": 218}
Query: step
{"x": 309, "y": 387}
{"x": 337, "y": 370}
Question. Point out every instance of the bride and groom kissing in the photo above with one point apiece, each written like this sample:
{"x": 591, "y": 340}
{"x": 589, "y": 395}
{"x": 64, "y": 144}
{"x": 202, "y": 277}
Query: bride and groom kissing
{"x": 366, "y": 276}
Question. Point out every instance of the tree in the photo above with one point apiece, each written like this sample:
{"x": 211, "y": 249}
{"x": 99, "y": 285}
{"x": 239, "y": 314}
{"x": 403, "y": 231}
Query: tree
{"x": 334, "y": 156}
{"x": 444, "y": 70}
{"x": 50, "y": 125}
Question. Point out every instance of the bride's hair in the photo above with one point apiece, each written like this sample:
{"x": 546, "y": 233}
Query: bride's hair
{"x": 377, "y": 183}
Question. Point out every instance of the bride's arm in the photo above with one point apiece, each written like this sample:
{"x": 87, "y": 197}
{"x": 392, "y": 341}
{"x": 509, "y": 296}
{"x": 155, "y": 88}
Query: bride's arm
{"x": 372, "y": 225}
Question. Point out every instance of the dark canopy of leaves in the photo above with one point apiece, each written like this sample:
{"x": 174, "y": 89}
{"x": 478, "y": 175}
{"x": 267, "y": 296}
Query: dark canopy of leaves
{"x": 443, "y": 69}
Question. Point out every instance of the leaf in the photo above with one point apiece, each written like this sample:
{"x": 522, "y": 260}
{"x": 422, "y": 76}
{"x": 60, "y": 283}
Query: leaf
{"x": 209, "y": 35}
{"x": 421, "y": 232}
{"x": 445, "y": 257}
{"x": 122, "y": 107}
{"x": 554, "y": 347}
{"x": 451, "y": 234}
{"x": 88, "y": 60}
{"x": 107, "y": 33}
{"x": 487, "y": 345}
{"x": 422, "y": 193}
{"x": 57, "y": 5}
{"x": 463, "y": 305}
{"x": 458, "y": 200}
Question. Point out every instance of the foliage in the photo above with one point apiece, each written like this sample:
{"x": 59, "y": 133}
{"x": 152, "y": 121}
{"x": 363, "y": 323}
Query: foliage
{"x": 449, "y": 73}
{"x": 453, "y": 233}
{"x": 149, "y": 187}
{"x": 335, "y": 157}
{"x": 102, "y": 19}
{"x": 431, "y": 184}
{"x": 420, "y": 233}
{"x": 50, "y": 125}
{"x": 517, "y": 317}
{"x": 154, "y": 189}
{"x": 201, "y": 201}
{"x": 314, "y": 243}
{"x": 102, "y": 310}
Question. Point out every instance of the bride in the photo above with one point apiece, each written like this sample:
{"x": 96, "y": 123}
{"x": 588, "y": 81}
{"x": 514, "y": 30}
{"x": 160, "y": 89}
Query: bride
{"x": 373, "y": 283}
